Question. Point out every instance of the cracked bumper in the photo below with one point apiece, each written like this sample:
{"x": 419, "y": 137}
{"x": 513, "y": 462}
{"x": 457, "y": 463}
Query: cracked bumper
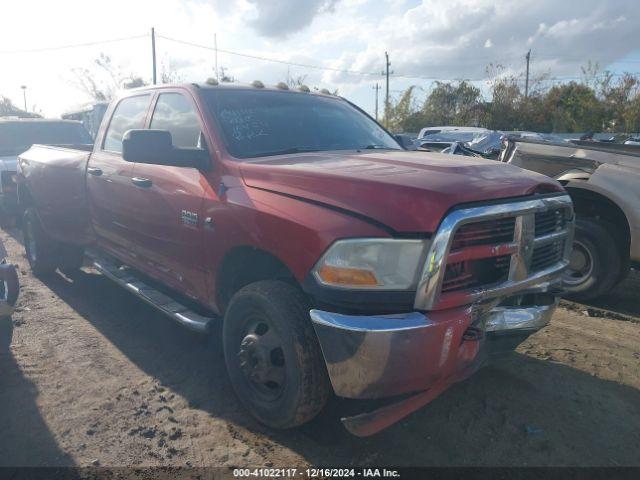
{"x": 388, "y": 355}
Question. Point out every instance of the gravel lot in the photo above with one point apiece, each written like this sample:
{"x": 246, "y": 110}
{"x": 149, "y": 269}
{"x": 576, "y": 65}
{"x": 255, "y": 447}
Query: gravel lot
{"x": 96, "y": 377}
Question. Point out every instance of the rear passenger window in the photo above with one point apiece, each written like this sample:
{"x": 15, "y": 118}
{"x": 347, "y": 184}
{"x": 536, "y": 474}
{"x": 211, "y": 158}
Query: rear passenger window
{"x": 128, "y": 115}
{"x": 174, "y": 113}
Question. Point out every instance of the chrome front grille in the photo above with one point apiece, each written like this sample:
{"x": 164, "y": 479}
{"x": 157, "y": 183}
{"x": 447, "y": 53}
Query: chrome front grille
{"x": 484, "y": 233}
{"x": 496, "y": 250}
{"x": 547, "y": 255}
{"x": 550, "y": 221}
{"x": 465, "y": 275}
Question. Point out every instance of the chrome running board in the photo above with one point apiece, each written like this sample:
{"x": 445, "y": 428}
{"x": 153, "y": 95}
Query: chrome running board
{"x": 123, "y": 276}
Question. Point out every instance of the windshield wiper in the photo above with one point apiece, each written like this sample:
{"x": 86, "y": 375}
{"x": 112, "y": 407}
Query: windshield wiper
{"x": 284, "y": 151}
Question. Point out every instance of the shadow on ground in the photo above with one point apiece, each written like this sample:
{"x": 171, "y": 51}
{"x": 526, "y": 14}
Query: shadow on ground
{"x": 25, "y": 439}
{"x": 521, "y": 411}
{"x": 624, "y": 298}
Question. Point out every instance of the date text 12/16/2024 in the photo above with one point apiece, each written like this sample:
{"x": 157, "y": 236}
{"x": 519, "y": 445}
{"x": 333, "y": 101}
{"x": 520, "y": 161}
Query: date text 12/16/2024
{"x": 315, "y": 473}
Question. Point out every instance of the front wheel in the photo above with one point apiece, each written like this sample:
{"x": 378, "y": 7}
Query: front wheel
{"x": 273, "y": 356}
{"x": 596, "y": 262}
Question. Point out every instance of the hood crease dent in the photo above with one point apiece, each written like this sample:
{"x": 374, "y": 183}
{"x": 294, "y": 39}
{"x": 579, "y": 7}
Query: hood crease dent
{"x": 406, "y": 191}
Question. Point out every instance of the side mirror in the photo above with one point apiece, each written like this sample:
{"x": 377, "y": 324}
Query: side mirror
{"x": 405, "y": 142}
{"x": 156, "y": 147}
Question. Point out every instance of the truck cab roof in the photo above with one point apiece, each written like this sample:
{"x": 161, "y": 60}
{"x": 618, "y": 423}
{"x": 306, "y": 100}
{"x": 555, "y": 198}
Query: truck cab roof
{"x": 255, "y": 85}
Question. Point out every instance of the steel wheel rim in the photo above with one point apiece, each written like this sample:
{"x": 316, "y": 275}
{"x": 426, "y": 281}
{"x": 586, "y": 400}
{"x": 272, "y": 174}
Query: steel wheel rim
{"x": 581, "y": 265}
{"x": 261, "y": 358}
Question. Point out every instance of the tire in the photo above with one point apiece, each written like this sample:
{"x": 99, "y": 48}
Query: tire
{"x": 42, "y": 252}
{"x": 596, "y": 262}
{"x": 267, "y": 334}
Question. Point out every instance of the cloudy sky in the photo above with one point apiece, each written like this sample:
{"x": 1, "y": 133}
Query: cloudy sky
{"x": 426, "y": 40}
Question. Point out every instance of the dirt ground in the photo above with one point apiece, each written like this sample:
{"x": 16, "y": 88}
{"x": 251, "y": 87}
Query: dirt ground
{"x": 96, "y": 377}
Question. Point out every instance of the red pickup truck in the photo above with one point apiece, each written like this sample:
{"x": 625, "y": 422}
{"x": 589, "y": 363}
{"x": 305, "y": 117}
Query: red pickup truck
{"x": 338, "y": 262}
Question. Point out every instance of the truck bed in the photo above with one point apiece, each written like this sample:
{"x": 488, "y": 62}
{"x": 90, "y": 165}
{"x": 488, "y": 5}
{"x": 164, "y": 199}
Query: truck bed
{"x": 57, "y": 186}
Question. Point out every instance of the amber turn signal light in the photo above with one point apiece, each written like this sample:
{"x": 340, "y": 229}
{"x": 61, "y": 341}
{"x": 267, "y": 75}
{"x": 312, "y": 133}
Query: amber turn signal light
{"x": 347, "y": 276}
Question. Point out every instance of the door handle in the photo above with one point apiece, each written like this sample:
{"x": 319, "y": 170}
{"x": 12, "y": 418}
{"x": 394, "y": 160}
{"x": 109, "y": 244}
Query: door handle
{"x": 94, "y": 171}
{"x": 141, "y": 182}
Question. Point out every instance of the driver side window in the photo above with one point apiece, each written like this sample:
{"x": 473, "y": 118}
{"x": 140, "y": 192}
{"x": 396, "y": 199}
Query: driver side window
{"x": 129, "y": 114}
{"x": 174, "y": 112}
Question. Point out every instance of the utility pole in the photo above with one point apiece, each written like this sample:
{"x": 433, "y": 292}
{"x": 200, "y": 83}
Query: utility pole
{"x": 153, "y": 52}
{"x": 526, "y": 81}
{"x": 24, "y": 96}
{"x": 386, "y": 98}
{"x": 215, "y": 46}
{"x": 376, "y": 88}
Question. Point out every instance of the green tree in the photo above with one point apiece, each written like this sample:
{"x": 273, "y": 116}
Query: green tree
{"x": 573, "y": 107}
{"x": 616, "y": 95}
{"x": 505, "y": 110}
{"x": 103, "y": 79}
{"x": 631, "y": 115}
{"x": 455, "y": 103}
{"x": 400, "y": 112}
{"x": 7, "y": 108}
{"x": 599, "y": 102}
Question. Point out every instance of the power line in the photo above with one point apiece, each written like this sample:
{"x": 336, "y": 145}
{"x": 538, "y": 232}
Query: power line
{"x": 285, "y": 62}
{"x": 308, "y": 65}
{"x": 579, "y": 58}
{"x": 268, "y": 59}
{"x": 364, "y": 73}
{"x": 74, "y": 45}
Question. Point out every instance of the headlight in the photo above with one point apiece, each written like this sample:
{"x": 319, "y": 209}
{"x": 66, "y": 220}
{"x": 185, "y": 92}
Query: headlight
{"x": 377, "y": 263}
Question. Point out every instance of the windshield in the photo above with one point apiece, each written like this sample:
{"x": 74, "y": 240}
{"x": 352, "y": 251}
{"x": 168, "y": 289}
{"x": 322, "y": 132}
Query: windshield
{"x": 16, "y": 137}
{"x": 263, "y": 123}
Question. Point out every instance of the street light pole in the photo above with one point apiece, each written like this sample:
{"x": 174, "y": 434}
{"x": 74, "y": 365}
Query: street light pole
{"x": 376, "y": 88}
{"x": 24, "y": 96}
{"x": 215, "y": 46}
{"x": 526, "y": 83}
{"x": 386, "y": 72}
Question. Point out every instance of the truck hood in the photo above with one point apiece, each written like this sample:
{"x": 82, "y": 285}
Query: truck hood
{"x": 406, "y": 191}
{"x": 8, "y": 162}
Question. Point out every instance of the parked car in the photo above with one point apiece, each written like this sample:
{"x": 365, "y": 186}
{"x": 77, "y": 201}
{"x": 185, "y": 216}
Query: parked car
{"x": 449, "y": 129}
{"x": 546, "y": 137}
{"x": 9, "y": 289}
{"x": 473, "y": 143}
{"x": 603, "y": 181}
{"x": 90, "y": 115}
{"x": 16, "y": 136}
{"x": 336, "y": 261}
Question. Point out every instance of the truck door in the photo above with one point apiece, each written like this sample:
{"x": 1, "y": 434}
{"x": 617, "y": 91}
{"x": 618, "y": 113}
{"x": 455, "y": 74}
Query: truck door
{"x": 109, "y": 186}
{"x": 169, "y": 200}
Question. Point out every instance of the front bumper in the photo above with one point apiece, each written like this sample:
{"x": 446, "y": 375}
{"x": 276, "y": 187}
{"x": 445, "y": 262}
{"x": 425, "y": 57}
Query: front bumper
{"x": 388, "y": 355}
